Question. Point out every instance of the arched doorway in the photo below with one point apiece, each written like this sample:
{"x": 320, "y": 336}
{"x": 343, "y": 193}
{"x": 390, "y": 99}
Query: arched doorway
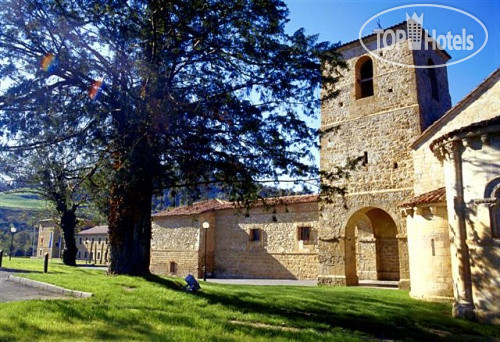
{"x": 371, "y": 246}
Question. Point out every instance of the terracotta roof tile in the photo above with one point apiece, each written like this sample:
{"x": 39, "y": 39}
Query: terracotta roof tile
{"x": 195, "y": 208}
{"x": 216, "y": 204}
{"x": 435, "y": 196}
{"x": 97, "y": 230}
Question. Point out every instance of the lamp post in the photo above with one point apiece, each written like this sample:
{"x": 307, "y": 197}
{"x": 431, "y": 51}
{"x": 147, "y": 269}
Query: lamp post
{"x": 13, "y": 230}
{"x": 205, "y": 226}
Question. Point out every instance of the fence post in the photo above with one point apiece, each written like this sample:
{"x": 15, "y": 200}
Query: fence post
{"x": 1, "y": 257}
{"x": 46, "y": 263}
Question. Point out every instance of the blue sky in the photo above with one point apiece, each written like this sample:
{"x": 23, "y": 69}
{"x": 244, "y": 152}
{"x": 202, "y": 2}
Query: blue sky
{"x": 342, "y": 20}
{"x": 336, "y": 21}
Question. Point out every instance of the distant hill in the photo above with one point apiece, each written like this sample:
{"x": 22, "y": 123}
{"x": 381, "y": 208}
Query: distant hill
{"x": 22, "y": 209}
{"x": 21, "y": 200}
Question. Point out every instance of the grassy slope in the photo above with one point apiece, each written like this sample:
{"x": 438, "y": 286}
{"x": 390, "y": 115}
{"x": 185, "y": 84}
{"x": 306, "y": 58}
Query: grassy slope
{"x": 20, "y": 200}
{"x": 156, "y": 309}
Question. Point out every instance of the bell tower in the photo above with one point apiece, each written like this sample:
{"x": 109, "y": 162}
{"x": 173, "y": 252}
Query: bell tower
{"x": 381, "y": 108}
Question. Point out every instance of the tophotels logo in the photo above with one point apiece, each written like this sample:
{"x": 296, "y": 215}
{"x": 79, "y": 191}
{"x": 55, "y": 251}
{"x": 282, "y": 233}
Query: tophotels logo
{"x": 463, "y": 42}
{"x": 414, "y": 27}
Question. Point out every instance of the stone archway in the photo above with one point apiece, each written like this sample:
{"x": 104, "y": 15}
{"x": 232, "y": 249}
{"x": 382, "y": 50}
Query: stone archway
{"x": 371, "y": 246}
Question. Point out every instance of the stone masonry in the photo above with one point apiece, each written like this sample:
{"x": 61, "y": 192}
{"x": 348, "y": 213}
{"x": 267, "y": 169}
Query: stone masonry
{"x": 234, "y": 249}
{"x": 379, "y": 128}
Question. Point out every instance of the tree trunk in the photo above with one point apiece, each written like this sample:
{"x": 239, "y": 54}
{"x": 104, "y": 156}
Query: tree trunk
{"x": 68, "y": 224}
{"x": 130, "y": 216}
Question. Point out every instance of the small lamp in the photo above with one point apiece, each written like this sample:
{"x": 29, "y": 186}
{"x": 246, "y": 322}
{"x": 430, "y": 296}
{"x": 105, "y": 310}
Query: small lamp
{"x": 205, "y": 226}
{"x": 13, "y": 230}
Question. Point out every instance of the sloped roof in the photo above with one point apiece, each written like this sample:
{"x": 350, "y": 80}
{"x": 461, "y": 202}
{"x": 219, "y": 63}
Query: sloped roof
{"x": 370, "y": 35}
{"x": 434, "y": 196}
{"x": 97, "y": 230}
{"x": 476, "y": 127}
{"x": 195, "y": 208}
{"x": 216, "y": 204}
{"x": 481, "y": 88}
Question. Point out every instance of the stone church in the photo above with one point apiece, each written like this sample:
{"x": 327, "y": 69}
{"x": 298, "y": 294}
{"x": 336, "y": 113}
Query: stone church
{"x": 422, "y": 209}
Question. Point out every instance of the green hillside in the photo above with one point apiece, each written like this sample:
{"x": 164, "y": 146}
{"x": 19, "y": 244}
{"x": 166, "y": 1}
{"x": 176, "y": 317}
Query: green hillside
{"x": 21, "y": 200}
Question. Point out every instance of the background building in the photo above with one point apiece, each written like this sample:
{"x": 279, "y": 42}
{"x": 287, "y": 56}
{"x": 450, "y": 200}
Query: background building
{"x": 93, "y": 245}
{"x": 276, "y": 241}
{"x": 50, "y": 239}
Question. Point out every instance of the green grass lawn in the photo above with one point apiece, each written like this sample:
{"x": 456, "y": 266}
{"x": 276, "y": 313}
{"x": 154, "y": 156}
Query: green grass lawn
{"x": 156, "y": 308}
{"x": 21, "y": 200}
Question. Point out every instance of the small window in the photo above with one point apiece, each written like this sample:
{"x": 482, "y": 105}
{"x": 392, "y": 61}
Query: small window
{"x": 99, "y": 240}
{"x": 433, "y": 80}
{"x": 304, "y": 233}
{"x": 365, "y": 158}
{"x": 173, "y": 267}
{"x": 41, "y": 252}
{"x": 106, "y": 240}
{"x": 85, "y": 255}
{"x": 433, "y": 248}
{"x": 255, "y": 234}
{"x": 98, "y": 255}
{"x": 364, "y": 78}
{"x": 79, "y": 254}
{"x": 80, "y": 241}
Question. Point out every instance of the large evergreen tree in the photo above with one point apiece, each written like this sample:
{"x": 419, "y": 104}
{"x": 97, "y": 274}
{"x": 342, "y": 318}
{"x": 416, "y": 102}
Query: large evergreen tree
{"x": 177, "y": 93}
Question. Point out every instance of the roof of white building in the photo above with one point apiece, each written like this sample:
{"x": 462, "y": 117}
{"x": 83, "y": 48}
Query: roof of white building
{"x": 97, "y": 230}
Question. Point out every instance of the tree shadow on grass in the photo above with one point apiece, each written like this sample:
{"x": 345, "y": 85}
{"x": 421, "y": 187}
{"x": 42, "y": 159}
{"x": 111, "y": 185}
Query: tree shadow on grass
{"x": 389, "y": 320}
{"x": 102, "y": 321}
{"x": 170, "y": 284}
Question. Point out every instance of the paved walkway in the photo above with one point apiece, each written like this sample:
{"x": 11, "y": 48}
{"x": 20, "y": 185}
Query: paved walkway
{"x": 10, "y": 291}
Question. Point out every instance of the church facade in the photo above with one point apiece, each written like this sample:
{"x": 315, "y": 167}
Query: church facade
{"x": 421, "y": 209}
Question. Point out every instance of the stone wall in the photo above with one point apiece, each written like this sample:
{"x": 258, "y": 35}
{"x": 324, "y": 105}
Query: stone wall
{"x": 481, "y": 174}
{"x": 176, "y": 240}
{"x": 380, "y": 128}
{"x": 429, "y": 252}
{"x": 426, "y": 165}
{"x": 279, "y": 253}
{"x": 431, "y": 109}
{"x": 471, "y": 174}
